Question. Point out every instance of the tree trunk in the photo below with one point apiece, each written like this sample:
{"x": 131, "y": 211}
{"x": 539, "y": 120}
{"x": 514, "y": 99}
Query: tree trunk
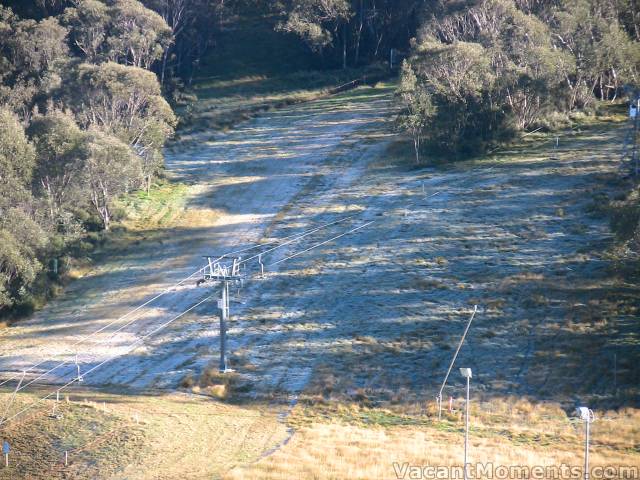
{"x": 106, "y": 218}
{"x": 634, "y": 14}
{"x": 359, "y": 34}
{"x": 344, "y": 46}
{"x": 164, "y": 66}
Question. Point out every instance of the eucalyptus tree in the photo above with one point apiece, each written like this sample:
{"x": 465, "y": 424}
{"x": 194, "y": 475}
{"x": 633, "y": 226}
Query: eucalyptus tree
{"x": 88, "y": 22}
{"x": 318, "y": 23}
{"x": 125, "y": 102}
{"x": 21, "y": 237}
{"x": 32, "y": 56}
{"x": 59, "y": 164}
{"x": 138, "y": 36}
{"x": 417, "y": 107}
{"x": 111, "y": 169}
{"x": 605, "y": 57}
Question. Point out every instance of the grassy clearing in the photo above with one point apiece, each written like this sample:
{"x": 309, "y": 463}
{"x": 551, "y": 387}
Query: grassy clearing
{"x": 346, "y": 431}
{"x": 606, "y": 114}
{"x": 221, "y": 103}
{"x": 140, "y": 216}
{"x": 159, "y": 208}
{"x": 254, "y": 69}
{"x": 345, "y": 440}
{"x": 137, "y": 436}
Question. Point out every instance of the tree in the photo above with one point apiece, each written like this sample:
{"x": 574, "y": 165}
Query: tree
{"x": 95, "y": 128}
{"x": 111, "y": 169}
{"x": 458, "y": 80}
{"x": 177, "y": 14}
{"x": 58, "y": 141}
{"x": 492, "y": 69}
{"x": 17, "y": 155}
{"x": 21, "y": 237}
{"x": 604, "y": 55}
{"x": 124, "y": 31}
{"x": 317, "y": 22}
{"x": 39, "y": 45}
{"x": 88, "y": 25}
{"x": 125, "y": 102}
{"x": 32, "y": 55}
{"x": 418, "y": 108}
{"x": 138, "y": 35}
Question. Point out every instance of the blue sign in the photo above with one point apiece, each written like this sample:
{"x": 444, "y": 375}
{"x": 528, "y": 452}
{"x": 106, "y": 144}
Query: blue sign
{"x": 5, "y": 447}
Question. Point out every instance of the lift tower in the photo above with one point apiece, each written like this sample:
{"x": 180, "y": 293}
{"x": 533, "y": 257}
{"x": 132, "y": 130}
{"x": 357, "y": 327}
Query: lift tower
{"x": 222, "y": 271}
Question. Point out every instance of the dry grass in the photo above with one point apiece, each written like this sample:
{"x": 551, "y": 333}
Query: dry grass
{"x": 160, "y": 208}
{"x": 359, "y": 443}
{"x": 143, "y": 437}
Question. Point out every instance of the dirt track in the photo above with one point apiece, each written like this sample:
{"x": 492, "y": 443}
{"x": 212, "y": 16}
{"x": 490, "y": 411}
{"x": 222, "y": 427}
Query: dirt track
{"x": 377, "y": 311}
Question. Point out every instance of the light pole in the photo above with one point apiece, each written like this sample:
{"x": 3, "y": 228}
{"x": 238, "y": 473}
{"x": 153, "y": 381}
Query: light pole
{"x": 587, "y": 415}
{"x": 466, "y": 373}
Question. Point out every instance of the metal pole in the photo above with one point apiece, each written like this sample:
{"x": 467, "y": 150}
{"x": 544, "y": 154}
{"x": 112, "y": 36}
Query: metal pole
{"x": 635, "y": 136}
{"x": 224, "y": 310}
{"x": 466, "y": 431}
{"x": 634, "y": 157}
{"x": 586, "y": 450}
{"x": 453, "y": 360}
{"x": 615, "y": 374}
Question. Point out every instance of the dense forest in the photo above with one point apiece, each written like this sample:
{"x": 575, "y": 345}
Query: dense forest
{"x": 88, "y": 89}
{"x": 481, "y": 71}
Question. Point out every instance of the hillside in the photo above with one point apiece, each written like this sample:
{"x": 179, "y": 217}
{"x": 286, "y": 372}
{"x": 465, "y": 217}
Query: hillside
{"x": 257, "y": 240}
{"x": 354, "y": 336}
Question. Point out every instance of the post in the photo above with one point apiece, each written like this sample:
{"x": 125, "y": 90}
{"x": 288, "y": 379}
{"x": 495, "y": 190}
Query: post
{"x": 615, "y": 374}
{"x": 586, "y": 449}
{"x": 224, "y": 311}
{"x": 79, "y": 377}
{"x": 466, "y": 373}
{"x": 587, "y": 416}
{"x": 455, "y": 355}
{"x": 66, "y": 458}
{"x": 635, "y": 138}
{"x": 634, "y": 155}
{"x": 466, "y": 431}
